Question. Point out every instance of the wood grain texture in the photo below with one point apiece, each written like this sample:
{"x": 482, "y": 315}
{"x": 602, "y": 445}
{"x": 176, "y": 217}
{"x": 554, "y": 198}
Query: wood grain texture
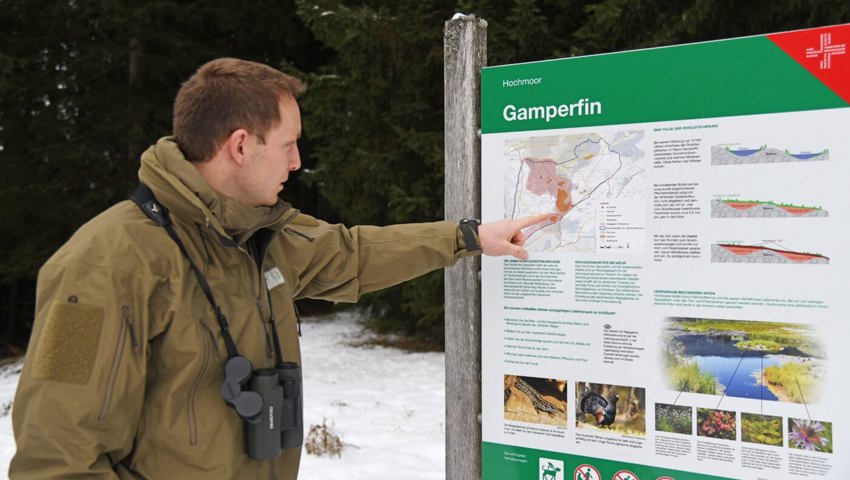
{"x": 465, "y": 53}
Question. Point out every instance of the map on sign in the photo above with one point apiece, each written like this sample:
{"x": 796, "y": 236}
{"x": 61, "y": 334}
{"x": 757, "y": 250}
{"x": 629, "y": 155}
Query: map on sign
{"x": 592, "y": 186}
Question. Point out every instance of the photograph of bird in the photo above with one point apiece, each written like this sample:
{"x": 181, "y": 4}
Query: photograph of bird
{"x": 604, "y": 411}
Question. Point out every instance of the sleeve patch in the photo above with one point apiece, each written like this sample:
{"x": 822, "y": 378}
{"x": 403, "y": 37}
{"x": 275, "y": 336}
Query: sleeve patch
{"x": 68, "y": 346}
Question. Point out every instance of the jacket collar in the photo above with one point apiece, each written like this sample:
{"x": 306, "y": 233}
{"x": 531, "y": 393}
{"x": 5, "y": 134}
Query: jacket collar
{"x": 179, "y": 186}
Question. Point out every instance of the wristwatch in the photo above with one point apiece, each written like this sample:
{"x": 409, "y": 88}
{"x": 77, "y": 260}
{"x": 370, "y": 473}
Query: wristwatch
{"x": 469, "y": 229}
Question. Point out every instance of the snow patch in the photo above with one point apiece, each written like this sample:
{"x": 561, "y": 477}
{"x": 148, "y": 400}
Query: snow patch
{"x": 387, "y": 406}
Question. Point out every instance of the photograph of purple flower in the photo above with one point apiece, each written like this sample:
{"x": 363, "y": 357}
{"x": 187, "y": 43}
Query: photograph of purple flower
{"x": 810, "y": 435}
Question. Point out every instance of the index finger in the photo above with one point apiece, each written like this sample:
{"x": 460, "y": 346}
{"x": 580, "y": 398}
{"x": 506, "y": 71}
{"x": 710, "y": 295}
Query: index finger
{"x": 529, "y": 221}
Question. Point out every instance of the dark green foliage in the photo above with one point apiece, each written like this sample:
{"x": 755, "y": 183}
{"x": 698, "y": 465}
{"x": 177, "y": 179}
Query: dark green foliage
{"x": 86, "y": 86}
{"x": 374, "y": 112}
{"x": 375, "y": 115}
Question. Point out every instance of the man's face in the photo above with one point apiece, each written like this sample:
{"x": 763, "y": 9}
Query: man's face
{"x": 268, "y": 164}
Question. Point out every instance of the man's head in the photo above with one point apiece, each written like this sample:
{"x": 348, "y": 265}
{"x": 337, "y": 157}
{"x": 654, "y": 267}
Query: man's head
{"x": 224, "y": 95}
{"x": 238, "y": 122}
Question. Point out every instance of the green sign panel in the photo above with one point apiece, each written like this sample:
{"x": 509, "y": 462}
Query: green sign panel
{"x": 683, "y": 311}
{"x": 713, "y": 79}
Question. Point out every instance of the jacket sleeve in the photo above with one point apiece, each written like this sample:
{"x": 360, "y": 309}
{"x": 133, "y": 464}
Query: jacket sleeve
{"x": 348, "y": 262}
{"x": 82, "y": 386}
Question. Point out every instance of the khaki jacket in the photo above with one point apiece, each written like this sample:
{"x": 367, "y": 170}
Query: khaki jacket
{"x": 123, "y": 373}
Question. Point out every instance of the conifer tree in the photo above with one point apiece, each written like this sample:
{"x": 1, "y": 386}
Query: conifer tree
{"x": 85, "y": 87}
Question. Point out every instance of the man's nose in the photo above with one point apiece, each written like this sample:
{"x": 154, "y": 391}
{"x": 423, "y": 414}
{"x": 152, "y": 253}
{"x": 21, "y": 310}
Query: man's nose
{"x": 295, "y": 159}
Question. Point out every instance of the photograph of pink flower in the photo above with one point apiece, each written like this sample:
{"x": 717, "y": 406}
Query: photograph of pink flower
{"x": 716, "y": 424}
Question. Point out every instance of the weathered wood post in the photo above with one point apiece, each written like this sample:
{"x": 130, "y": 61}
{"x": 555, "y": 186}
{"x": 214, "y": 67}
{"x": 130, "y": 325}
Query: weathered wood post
{"x": 465, "y": 53}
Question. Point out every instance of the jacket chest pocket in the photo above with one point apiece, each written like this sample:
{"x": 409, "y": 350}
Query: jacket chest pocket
{"x": 204, "y": 355}
{"x": 127, "y": 344}
{"x": 209, "y": 358}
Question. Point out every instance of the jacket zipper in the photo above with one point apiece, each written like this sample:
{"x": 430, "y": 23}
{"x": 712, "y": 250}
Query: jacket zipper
{"x": 133, "y": 340}
{"x": 259, "y": 300}
{"x": 126, "y": 323}
{"x": 193, "y": 421}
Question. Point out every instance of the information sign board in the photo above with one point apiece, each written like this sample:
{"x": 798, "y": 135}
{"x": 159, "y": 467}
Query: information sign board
{"x": 684, "y": 310}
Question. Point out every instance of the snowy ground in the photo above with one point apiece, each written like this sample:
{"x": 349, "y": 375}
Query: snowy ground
{"x": 386, "y": 406}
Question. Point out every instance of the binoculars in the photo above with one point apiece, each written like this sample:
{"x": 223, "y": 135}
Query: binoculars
{"x": 269, "y": 401}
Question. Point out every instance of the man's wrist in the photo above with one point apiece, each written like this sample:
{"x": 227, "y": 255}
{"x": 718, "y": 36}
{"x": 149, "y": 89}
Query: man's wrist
{"x": 468, "y": 228}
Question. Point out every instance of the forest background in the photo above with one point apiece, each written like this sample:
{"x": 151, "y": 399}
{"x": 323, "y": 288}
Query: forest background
{"x": 86, "y": 86}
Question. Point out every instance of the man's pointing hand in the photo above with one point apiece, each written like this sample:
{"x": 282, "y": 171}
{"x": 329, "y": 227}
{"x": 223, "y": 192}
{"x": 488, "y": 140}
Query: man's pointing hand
{"x": 505, "y": 237}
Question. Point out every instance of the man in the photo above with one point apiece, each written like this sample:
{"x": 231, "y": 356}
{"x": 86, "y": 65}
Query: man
{"x": 136, "y": 318}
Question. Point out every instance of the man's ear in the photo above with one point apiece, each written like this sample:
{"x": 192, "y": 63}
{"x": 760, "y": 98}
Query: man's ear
{"x": 237, "y": 145}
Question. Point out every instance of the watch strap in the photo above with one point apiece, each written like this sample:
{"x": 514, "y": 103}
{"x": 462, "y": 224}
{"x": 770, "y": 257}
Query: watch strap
{"x": 469, "y": 229}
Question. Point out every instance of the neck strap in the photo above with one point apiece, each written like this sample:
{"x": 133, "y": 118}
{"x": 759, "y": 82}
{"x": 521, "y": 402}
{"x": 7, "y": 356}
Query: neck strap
{"x": 145, "y": 199}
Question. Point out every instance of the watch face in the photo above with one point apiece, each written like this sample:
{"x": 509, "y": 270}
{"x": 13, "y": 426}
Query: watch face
{"x": 472, "y": 223}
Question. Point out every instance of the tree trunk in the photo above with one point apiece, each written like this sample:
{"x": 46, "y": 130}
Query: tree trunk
{"x": 134, "y": 51}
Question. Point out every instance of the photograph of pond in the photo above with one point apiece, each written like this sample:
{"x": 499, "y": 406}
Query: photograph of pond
{"x": 611, "y": 408}
{"x": 674, "y": 418}
{"x": 810, "y": 435}
{"x": 716, "y": 424}
{"x": 746, "y": 359}
{"x": 763, "y": 429}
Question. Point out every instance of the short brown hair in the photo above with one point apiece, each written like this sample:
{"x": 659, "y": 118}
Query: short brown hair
{"x": 224, "y": 95}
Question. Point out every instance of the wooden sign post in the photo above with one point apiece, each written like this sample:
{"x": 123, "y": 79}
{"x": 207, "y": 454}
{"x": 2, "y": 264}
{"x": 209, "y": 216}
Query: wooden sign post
{"x": 465, "y": 53}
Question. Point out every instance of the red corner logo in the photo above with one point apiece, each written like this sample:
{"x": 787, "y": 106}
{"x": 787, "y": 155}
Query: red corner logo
{"x": 823, "y": 52}
{"x": 826, "y": 50}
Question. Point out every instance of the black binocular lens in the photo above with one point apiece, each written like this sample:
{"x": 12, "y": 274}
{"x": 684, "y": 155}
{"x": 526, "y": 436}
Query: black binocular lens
{"x": 237, "y": 372}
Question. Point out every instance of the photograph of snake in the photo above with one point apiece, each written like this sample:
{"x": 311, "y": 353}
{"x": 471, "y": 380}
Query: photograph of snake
{"x": 614, "y": 408}
{"x": 536, "y": 400}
